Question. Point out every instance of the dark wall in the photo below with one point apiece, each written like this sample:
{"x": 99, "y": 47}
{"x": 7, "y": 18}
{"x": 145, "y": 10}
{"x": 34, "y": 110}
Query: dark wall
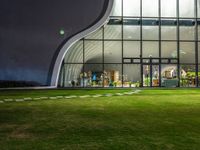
{"x": 29, "y": 34}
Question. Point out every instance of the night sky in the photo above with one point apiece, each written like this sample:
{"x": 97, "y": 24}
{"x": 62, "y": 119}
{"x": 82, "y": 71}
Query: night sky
{"x": 29, "y": 33}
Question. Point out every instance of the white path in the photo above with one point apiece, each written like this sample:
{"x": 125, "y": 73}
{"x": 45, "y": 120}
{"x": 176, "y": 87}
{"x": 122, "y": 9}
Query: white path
{"x": 69, "y": 97}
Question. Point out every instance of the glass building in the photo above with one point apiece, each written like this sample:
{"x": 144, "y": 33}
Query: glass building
{"x": 145, "y": 43}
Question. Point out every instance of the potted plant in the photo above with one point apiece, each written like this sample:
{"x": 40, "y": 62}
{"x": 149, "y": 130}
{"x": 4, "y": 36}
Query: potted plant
{"x": 115, "y": 83}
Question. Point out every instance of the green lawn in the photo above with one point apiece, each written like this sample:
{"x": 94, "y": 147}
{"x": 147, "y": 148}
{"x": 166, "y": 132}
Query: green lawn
{"x": 150, "y": 120}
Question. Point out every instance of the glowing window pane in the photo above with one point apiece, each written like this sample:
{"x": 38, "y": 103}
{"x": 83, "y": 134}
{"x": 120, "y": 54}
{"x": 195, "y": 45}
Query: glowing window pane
{"x": 131, "y": 7}
{"x": 168, "y": 8}
{"x": 150, "y": 8}
{"x": 186, "y": 8}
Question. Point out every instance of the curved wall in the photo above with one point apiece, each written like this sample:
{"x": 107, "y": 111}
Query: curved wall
{"x": 29, "y": 34}
{"x": 59, "y": 57}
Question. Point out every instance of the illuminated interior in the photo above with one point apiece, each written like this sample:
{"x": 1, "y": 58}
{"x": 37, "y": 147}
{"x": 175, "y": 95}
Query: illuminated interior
{"x": 146, "y": 43}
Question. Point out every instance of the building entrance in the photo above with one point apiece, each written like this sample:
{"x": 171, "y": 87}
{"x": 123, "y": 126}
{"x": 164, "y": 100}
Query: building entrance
{"x": 150, "y": 75}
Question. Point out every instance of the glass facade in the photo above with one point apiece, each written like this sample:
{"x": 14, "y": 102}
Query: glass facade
{"x": 146, "y": 43}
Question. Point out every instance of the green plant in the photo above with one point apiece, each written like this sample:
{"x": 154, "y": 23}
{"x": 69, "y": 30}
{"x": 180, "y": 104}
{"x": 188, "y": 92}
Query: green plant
{"x": 137, "y": 84}
{"x": 147, "y": 81}
{"x": 93, "y": 83}
{"x": 115, "y": 83}
{"x": 130, "y": 83}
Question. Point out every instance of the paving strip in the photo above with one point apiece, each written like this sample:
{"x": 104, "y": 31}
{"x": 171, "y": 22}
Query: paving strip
{"x": 69, "y": 97}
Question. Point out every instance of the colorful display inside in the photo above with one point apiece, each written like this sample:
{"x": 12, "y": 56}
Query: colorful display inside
{"x": 146, "y": 43}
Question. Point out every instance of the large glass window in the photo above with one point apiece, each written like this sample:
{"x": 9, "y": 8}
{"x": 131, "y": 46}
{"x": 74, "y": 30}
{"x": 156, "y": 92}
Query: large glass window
{"x": 133, "y": 50}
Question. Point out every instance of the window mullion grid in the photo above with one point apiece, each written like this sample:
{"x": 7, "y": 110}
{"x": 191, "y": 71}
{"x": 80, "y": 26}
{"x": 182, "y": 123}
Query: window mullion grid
{"x": 103, "y": 50}
{"x": 83, "y": 62}
{"x": 141, "y": 42}
{"x": 159, "y": 11}
{"x": 196, "y": 43}
{"x": 178, "y": 42}
{"x": 122, "y": 36}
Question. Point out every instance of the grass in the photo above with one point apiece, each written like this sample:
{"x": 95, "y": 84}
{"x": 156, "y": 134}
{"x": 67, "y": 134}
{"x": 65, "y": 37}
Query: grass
{"x": 150, "y": 120}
